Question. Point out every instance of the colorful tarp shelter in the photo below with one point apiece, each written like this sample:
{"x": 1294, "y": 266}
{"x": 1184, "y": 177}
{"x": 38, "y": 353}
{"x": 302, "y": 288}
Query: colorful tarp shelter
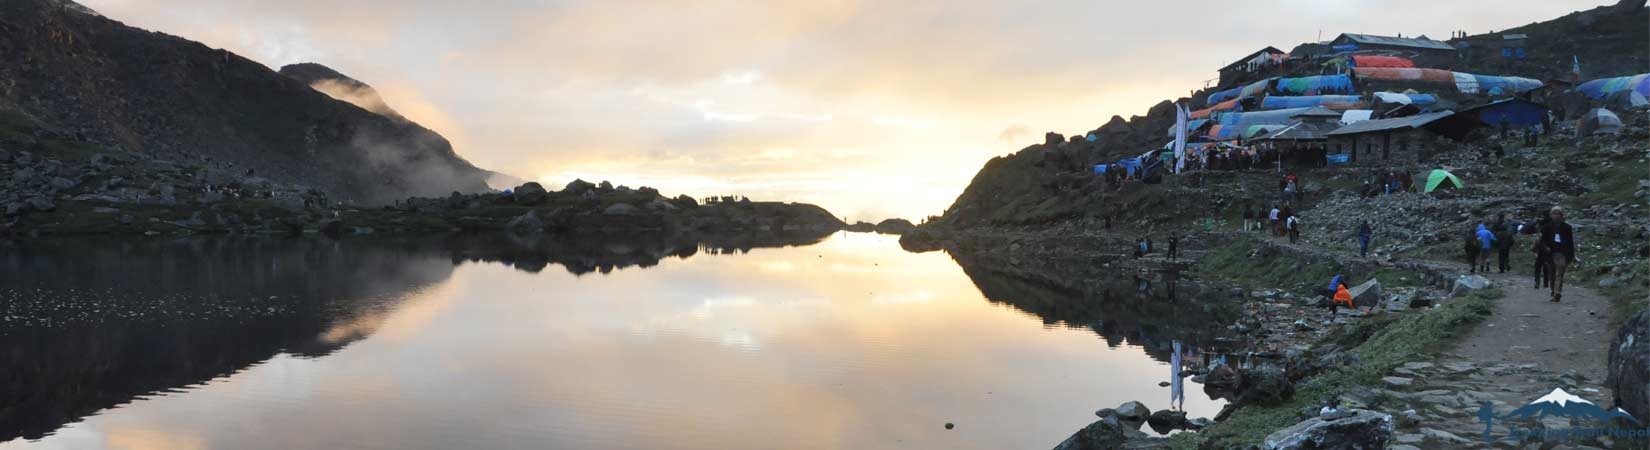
{"x": 1438, "y": 76}
{"x": 1191, "y": 126}
{"x": 1229, "y": 105}
{"x": 1406, "y": 98}
{"x": 1338, "y": 102}
{"x": 1599, "y": 121}
{"x": 1598, "y": 89}
{"x": 1472, "y": 84}
{"x": 1440, "y": 178}
{"x": 1515, "y": 111}
{"x": 1381, "y": 61}
{"x": 1250, "y": 90}
{"x": 1314, "y": 85}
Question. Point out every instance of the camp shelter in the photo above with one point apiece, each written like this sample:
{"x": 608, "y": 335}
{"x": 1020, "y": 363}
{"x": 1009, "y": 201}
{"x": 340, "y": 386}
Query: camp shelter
{"x": 1420, "y": 44}
{"x": 1356, "y": 115}
{"x": 1192, "y": 126}
{"x": 1440, "y": 178}
{"x": 1599, "y": 121}
{"x": 1381, "y": 61}
{"x": 1626, "y": 99}
{"x": 1248, "y": 90}
{"x": 1516, "y": 112}
{"x": 1337, "y": 102}
{"x": 1467, "y": 83}
{"x": 1314, "y": 85}
{"x": 1392, "y": 139}
{"x": 1255, "y": 62}
{"x": 1404, "y": 98}
{"x": 1598, "y": 89}
{"x": 1229, "y": 105}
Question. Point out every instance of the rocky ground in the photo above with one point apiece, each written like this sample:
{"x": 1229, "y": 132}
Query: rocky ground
{"x": 1504, "y": 343}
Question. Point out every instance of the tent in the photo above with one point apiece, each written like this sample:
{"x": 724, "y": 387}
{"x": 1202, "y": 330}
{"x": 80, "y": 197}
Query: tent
{"x": 1340, "y": 102}
{"x": 1229, "y": 105}
{"x": 1314, "y": 85}
{"x": 1441, "y": 178}
{"x": 1406, "y": 98}
{"x": 1598, "y": 89}
{"x": 1516, "y": 111}
{"x": 1599, "y": 121}
{"x": 1626, "y": 99}
{"x": 1251, "y": 90}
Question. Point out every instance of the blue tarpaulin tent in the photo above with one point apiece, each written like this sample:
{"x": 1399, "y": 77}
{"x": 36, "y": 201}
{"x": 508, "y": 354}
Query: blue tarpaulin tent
{"x": 1338, "y": 102}
{"x": 1517, "y": 112}
{"x": 1598, "y": 89}
{"x": 1315, "y": 85}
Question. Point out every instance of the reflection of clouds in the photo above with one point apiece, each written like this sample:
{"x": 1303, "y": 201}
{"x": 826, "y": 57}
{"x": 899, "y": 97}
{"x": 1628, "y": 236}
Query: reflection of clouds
{"x": 698, "y": 353}
{"x": 121, "y": 438}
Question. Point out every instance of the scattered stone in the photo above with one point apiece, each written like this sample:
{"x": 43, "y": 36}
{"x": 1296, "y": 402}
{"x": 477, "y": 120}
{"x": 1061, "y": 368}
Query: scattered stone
{"x": 1103, "y": 434}
{"x": 1362, "y": 429}
{"x": 619, "y": 209}
{"x": 1608, "y": 282}
{"x": 527, "y": 222}
{"x": 949, "y": 425}
{"x": 1629, "y": 366}
{"x": 1133, "y": 411}
{"x": 1467, "y": 284}
{"x": 1396, "y": 382}
{"x": 42, "y": 204}
{"x": 1444, "y": 436}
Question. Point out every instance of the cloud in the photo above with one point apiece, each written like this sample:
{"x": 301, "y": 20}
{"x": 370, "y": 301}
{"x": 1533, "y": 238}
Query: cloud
{"x": 694, "y": 96}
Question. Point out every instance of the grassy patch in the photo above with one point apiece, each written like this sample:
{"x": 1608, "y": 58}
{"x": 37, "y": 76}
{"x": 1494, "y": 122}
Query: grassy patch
{"x": 1232, "y": 262}
{"x": 1389, "y": 343}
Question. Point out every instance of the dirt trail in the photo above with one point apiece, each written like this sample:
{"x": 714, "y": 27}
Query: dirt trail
{"x": 1526, "y": 348}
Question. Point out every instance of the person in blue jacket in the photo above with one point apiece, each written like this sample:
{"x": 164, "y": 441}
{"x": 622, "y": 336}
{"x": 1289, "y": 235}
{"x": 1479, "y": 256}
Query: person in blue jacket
{"x": 1486, "y": 241}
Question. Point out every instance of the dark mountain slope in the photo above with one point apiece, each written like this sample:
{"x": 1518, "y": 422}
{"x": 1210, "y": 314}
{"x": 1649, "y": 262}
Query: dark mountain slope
{"x": 101, "y": 81}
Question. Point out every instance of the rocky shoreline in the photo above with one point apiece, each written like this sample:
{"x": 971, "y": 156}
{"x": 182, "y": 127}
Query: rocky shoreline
{"x": 126, "y": 194}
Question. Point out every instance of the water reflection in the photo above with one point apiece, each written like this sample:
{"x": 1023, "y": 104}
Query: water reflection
{"x": 850, "y": 343}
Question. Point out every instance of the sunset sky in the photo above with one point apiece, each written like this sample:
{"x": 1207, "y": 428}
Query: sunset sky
{"x": 870, "y": 109}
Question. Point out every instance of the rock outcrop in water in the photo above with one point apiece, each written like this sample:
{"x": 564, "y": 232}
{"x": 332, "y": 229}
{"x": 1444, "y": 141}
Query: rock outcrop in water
{"x": 103, "y": 86}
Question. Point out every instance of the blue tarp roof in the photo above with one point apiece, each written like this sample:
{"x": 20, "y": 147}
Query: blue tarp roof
{"x": 1315, "y": 85}
{"x": 1328, "y": 101}
{"x": 1518, "y": 112}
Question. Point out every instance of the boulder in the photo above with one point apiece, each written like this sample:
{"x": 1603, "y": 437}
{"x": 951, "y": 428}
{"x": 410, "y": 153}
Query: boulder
{"x": 1361, "y": 430}
{"x": 1165, "y": 420}
{"x": 1264, "y": 385}
{"x": 1052, "y": 138}
{"x": 578, "y": 187}
{"x": 1223, "y": 378}
{"x": 1467, "y": 284}
{"x": 1367, "y": 294}
{"x": 529, "y": 193}
{"x": 1133, "y": 411}
{"x": 527, "y": 222}
{"x": 1629, "y": 367}
{"x": 619, "y": 209}
{"x": 1103, "y": 434}
{"x": 62, "y": 183}
{"x": 895, "y": 226}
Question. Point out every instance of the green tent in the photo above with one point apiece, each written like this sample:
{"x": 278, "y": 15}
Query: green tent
{"x": 1442, "y": 178}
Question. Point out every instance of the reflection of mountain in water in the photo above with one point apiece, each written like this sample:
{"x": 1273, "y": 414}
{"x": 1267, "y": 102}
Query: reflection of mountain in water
{"x": 91, "y": 323}
{"x": 1113, "y": 305}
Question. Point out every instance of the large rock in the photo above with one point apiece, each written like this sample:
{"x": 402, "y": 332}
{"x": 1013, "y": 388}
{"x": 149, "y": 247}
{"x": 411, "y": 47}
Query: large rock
{"x": 1264, "y": 385}
{"x": 528, "y": 222}
{"x": 1133, "y": 411}
{"x": 1361, "y": 430}
{"x": 40, "y": 203}
{"x": 1103, "y": 434}
{"x": 1164, "y": 421}
{"x": 529, "y": 193}
{"x": 1367, "y": 294}
{"x": 895, "y": 226}
{"x": 1629, "y": 369}
{"x": 578, "y": 187}
{"x": 1466, "y": 284}
{"x": 619, "y": 209}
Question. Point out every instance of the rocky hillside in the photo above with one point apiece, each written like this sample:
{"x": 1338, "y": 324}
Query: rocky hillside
{"x": 1034, "y": 185}
{"x": 128, "y": 90}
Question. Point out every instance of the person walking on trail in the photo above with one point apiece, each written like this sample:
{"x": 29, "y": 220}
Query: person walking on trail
{"x": 1559, "y": 237}
{"x": 1486, "y": 243}
{"x": 1248, "y": 217}
{"x": 1365, "y": 234}
{"x": 1470, "y": 244}
{"x": 1174, "y": 247}
{"x": 1274, "y": 219}
{"x": 1139, "y": 248}
{"x": 1294, "y": 226}
{"x": 1503, "y": 243}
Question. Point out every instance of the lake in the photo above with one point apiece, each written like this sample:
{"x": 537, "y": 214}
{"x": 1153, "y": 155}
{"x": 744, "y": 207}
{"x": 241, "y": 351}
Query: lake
{"x": 836, "y": 342}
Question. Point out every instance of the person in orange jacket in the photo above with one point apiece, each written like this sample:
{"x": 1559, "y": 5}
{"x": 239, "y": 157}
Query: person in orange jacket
{"x": 1343, "y": 296}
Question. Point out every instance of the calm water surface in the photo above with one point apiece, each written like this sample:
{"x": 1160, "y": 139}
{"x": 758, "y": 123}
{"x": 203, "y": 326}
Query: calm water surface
{"x": 849, "y": 343}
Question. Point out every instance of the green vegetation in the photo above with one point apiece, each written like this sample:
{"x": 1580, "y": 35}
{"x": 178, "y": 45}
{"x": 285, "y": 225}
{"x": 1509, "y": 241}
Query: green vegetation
{"x": 1390, "y": 342}
{"x": 1232, "y": 262}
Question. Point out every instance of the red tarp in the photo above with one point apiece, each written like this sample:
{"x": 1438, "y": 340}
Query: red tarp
{"x": 1382, "y": 61}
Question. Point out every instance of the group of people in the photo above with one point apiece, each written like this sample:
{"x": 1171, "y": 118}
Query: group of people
{"x": 1554, "y": 249}
{"x": 1143, "y": 247}
{"x": 1281, "y": 220}
{"x": 1387, "y": 184}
